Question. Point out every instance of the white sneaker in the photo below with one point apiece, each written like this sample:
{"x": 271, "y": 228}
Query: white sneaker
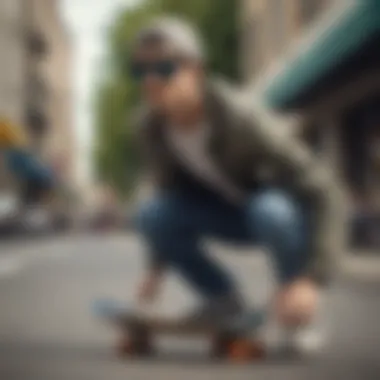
{"x": 305, "y": 341}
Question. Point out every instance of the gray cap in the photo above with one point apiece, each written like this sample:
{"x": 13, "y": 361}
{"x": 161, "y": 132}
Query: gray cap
{"x": 179, "y": 34}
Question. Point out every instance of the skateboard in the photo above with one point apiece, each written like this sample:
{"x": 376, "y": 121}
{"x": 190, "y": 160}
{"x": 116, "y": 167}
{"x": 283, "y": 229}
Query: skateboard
{"x": 234, "y": 341}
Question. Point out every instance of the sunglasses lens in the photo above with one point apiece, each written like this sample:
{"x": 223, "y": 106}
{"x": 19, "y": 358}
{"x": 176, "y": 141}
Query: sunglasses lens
{"x": 162, "y": 69}
{"x": 166, "y": 69}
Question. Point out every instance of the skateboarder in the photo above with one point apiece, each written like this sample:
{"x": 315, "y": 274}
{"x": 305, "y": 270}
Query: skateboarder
{"x": 222, "y": 170}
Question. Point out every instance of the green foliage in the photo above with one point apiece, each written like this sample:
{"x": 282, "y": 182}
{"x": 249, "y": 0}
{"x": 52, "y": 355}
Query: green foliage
{"x": 115, "y": 153}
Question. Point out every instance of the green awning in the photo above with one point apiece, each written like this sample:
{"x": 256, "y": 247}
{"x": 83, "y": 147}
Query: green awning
{"x": 337, "y": 43}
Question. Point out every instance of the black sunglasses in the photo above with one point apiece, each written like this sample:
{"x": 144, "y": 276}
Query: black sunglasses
{"x": 163, "y": 69}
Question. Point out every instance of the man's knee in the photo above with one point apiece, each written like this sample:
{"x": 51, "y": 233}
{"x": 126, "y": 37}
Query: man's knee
{"x": 274, "y": 212}
{"x": 158, "y": 217}
{"x": 279, "y": 223}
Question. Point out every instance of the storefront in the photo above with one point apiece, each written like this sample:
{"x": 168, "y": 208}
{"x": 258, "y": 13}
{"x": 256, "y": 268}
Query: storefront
{"x": 34, "y": 179}
{"x": 335, "y": 85}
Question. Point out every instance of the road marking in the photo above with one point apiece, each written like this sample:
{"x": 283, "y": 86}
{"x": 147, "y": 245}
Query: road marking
{"x": 49, "y": 253}
{"x": 40, "y": 250}
{"x": 14, "y": 262}
{"x": 11, "y": 265}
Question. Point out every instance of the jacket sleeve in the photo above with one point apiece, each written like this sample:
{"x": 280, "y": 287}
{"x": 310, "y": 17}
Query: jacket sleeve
{"x": 145, "y": 188}
{"x": 318, "y": 184}
{"x": 142, "y": 187}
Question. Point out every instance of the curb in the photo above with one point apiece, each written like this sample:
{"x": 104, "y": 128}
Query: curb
{"x": 362, "y": 268}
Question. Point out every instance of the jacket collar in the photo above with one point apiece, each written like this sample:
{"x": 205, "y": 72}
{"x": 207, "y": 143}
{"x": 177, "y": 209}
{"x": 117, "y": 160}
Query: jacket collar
{"x": 218, "y": 114}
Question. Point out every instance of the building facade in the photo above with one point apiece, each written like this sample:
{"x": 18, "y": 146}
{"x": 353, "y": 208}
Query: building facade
{"x": 272, "y": 29}
{"x": 35, "y": 83}
{"x": 319, "y": 60}
{"x": 12, "y": 68}
{"x": 12, "y": 72}
{"x": 50, "y": 78}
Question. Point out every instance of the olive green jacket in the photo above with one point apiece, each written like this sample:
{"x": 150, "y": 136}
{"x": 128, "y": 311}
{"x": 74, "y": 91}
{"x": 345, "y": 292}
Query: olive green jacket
{"x": 251, "y": 149}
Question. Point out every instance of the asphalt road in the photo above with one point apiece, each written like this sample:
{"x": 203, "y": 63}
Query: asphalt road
{"x": 47, "y": 330}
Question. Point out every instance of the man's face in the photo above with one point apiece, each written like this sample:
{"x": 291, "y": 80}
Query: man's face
{"x": 166, "y": 80}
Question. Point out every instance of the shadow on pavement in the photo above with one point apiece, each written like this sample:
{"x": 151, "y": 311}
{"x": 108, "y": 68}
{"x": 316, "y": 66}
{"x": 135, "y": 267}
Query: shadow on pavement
{"x": 46, "y": 352}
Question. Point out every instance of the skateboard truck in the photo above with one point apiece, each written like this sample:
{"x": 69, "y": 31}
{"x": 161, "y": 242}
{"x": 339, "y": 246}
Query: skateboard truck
{"x": 230, "y": 341}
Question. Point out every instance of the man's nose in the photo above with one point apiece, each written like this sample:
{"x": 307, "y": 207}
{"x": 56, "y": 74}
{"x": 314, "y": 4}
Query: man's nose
{"x": 152, "y": 80}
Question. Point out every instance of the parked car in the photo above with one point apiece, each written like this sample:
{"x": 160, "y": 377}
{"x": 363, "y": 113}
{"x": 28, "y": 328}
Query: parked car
{"x": 9, "y": 208}
{"x": 36, "y": 220}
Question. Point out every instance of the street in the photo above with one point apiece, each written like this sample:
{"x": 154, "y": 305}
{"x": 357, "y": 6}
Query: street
{"x": 47, "y": 330}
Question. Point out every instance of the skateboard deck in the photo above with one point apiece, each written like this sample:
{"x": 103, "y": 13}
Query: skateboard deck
{"x": 138, "y": 328}
{"x": 126, "y": 316}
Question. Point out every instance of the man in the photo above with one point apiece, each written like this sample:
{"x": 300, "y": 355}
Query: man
{"x": 221, "y": 171}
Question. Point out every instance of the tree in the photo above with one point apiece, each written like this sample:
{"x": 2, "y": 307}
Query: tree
{"x": 115, "y": 153}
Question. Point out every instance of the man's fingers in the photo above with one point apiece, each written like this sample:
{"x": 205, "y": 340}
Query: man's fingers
{"x": 295, "y": 310}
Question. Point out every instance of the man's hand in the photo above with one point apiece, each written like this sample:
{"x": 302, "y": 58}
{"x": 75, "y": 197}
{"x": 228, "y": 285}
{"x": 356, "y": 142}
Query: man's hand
{"x": 149, "y": 287}
{"x": 296, "y": 303}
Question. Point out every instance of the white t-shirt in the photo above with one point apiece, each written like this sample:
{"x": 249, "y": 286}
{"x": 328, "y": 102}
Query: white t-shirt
{"x": 190, "y": 147}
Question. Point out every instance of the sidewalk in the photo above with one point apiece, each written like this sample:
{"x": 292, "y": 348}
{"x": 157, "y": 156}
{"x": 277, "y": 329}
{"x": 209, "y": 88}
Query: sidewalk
{"x": 363, "y": 266}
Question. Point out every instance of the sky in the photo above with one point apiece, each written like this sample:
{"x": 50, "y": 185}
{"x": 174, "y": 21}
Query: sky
{"x": 87, "y": 21}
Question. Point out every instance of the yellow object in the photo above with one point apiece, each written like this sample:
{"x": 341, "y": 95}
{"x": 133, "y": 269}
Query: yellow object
{"x": 11, "y": 135}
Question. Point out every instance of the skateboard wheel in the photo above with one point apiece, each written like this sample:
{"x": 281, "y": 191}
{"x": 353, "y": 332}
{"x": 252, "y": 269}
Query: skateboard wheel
{"x": 125, "y": 348}
{"x": 136, "y": 346}
{"x": 245, "y": 350}
{"x": 220, "y": 345}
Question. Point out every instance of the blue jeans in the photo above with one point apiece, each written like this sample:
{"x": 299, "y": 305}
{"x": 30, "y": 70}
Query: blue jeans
{"x": 174, "y": 225}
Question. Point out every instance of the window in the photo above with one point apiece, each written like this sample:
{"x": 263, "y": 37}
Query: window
{"x": 37, "y": 120}
{"x": 38, "y": 43}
